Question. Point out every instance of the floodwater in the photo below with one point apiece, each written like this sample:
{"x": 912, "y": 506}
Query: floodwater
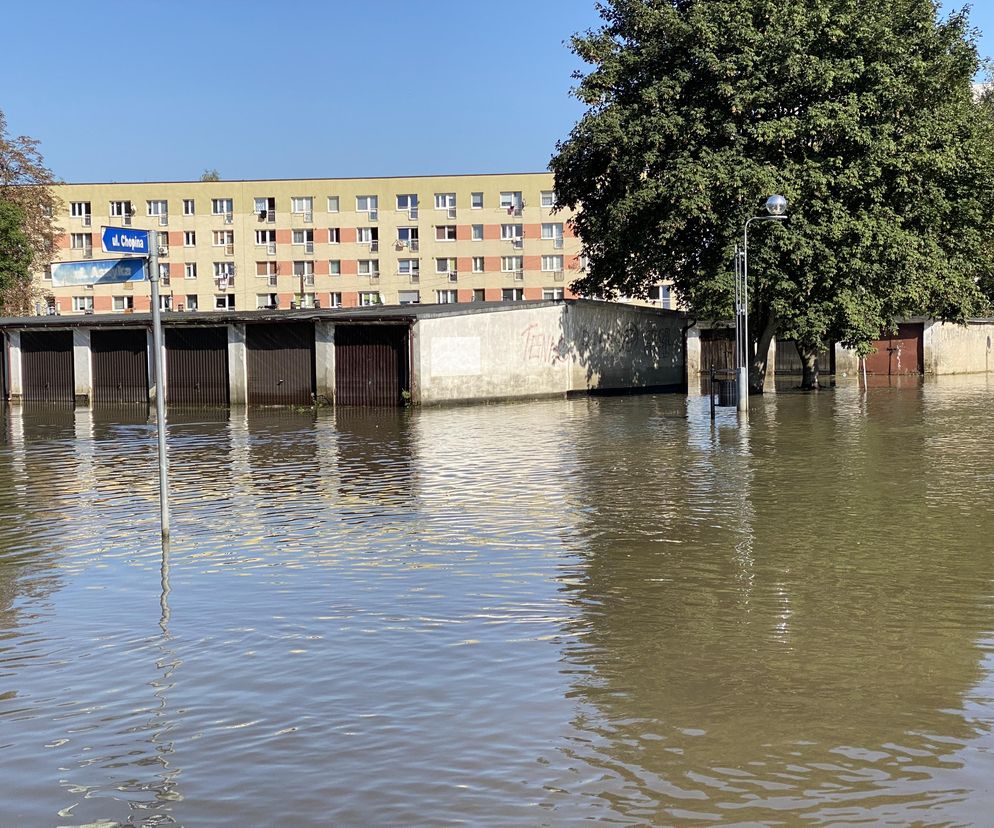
{"x": 527, "y": 614}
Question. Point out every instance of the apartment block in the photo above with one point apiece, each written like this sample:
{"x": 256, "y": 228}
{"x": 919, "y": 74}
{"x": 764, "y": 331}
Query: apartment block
{"x": 245, "y": 245}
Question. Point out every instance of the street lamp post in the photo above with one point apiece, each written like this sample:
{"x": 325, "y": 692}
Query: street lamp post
{"x": 776, "y": 208}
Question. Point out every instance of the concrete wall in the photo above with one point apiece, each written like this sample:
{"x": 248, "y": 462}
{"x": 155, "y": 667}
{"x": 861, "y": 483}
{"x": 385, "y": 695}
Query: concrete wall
{"x": 958, "y": 349}
{"x": 546, "y": 351}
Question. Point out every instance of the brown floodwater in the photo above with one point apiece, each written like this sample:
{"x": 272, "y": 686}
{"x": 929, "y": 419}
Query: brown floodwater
{"x": 523, "y": 614}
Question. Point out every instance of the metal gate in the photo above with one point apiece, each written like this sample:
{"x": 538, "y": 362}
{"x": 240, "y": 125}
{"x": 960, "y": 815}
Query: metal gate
{"x": 47, "y": 367}
{"x": 280, "y": 364}
{"x": 371, "y": 364}
{"x": 900, "y": 353}
{"x": 197, "y": 366}
{"x": 120, "y": 366}
{"x": 717, "y": 352}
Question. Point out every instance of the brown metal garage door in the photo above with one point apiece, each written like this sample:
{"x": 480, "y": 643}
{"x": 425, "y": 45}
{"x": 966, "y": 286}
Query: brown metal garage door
{"x": 280, "y": 364}
{"x": 900, "y": 353}
{"x": 197, "y": 366}
{"x": 120, "y": 366}
{"x": 717, "y": 352}
{"x": 47, "y": 367}
{"x": 371, "y": 364}
{"x": 788, "y": 361}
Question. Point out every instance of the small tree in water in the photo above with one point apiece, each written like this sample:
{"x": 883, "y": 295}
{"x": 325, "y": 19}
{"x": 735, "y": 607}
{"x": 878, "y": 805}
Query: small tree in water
{"x": 861, "y": 112}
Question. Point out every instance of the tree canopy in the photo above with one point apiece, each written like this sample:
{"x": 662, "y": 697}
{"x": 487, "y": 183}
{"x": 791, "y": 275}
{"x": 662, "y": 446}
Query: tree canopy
{"x": 27, "y": 195}
{"x": 861, "y": 112}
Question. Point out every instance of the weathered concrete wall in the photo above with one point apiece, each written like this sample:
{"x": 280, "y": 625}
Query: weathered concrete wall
{"x": 958, "y": 349}
{"x": 693, "y": 360}
{"x": 546, "y": 351}
{"x": 82, "y": 366}
{"x": 324, "y": 362}
{"x": 616, "y": 347}
{"x": 237, "y": 365}
{"x": 494, "y": 355}
{"x": 15, "y": 382}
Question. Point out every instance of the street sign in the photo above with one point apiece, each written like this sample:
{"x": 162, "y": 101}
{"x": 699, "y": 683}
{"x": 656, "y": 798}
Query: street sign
{"x": 124, "y": 240}
{"x": 98, "y": 272}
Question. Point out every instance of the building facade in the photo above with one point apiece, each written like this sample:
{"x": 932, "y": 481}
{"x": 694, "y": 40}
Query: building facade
{"x": 246, "y": 245}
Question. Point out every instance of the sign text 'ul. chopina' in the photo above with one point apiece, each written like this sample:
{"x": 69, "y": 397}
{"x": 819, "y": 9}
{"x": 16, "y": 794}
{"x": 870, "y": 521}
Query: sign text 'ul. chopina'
{"x": 125, "y": 240}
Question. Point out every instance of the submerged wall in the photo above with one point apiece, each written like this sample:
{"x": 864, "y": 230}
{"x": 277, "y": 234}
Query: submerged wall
{"x": 959, "y": 349}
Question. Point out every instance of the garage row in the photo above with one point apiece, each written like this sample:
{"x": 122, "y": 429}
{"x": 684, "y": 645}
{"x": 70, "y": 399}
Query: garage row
{"x": 286, "y": 363}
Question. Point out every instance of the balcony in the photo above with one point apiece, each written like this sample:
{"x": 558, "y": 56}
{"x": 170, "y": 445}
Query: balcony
{"x": 415, "y": 245}
{"x": 87, "y": 252}
{"x": 125, "y": 219}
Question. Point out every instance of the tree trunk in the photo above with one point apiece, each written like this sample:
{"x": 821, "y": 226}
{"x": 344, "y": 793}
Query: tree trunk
{"x": 809, "y": 367}
{"x": 757, "y": 368}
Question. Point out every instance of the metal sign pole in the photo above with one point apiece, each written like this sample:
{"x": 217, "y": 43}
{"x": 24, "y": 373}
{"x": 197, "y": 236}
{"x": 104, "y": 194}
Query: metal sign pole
{"x": 160, "y": 391}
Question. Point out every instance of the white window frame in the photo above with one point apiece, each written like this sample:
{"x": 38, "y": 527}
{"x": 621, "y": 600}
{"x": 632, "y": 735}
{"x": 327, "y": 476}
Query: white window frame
{"x": 479, "y": 264}
{"x": 548, "y": 199}
{"x": 409, "y": 267}
{"x": 267, "y": 237}
{"x": 512, "y": 232}
{"x": 369, "y": 298}
{"x": 476, "y": 232}
{"x": 333, "y": 204}
{"x": 447, "y": 296}
{"x": 226, "y": 206}
{"x": 552, "y": 263}
{"x": 189, "y": 207}
{"x": 190, "y": 270}
{"x": 368, "y": 267}
{"x": 82, "y": 303}
{"x": 410, "y": 202}
{"x": 446, "y": 264}
{"x": 445, "y": 201}
{"x": 511, "y": 199}
{"x": 372, "y": 204}
{"x": 157, "y": 207}
{"x": 476, "y": 201}
{"x": 444, "y": 229}
{"x": 552, "y": 230}
{"x": 335, "y": 299}
{"x": 334, "y": 267}
{"x": 189, "y": 238}
{"x": 302, "y": 205}
{"x": 511, "y": 264}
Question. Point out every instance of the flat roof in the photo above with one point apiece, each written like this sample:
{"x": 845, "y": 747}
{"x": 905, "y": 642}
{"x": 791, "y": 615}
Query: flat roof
{"x": 309, "y": 178}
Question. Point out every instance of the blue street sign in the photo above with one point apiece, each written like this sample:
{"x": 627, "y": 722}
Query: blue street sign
{"x": 124, "y": 240}
{"x": 98, "y": 272}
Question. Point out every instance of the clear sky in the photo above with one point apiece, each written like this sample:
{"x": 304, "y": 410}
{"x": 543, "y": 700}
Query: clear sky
{"x": 136, "y": 91}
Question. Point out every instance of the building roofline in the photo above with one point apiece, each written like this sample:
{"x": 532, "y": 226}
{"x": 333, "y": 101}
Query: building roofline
{"x": 317, "y": 178}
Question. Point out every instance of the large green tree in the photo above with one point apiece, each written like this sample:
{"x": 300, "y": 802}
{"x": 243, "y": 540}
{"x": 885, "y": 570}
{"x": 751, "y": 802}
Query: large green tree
{"x": 15, "y": 249}
{"x": 861, "y": 112}
{"x": 26, "y": 184}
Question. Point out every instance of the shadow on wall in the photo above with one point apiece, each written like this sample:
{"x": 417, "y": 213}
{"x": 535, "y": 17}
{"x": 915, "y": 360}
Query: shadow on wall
{"x": 618, "y": 348}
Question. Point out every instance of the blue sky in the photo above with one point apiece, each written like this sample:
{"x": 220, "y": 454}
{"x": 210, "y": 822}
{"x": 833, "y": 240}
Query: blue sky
{"x": 134, "y": 91}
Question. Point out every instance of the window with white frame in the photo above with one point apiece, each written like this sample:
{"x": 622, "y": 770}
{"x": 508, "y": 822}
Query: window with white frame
{"x": 335, "y": 300}
{"x": 190, "y": 270}
{"x": 408, "y": 297}
{"x": 407, "y": 201}
{"x": 189, "y": 207}
{"x": 191, "y": 301}
{"x": 445, "y": 201}
{"x": 334, "y": 235}
{"x": 511, "y": 200}
{"x": 552, "y": 230}
{"x": 222, "y": 206}
{"x": 334, "y": 267}
{"x": 302, "y": 237}
{"x": 478, "y": 264}
{"x": 303, "y": 268}
{"x": 512, "y": 232}
{"x": 408, "y": 236}
{"x": 552, "y": 263}
{"x": 81, "y": 241}
{"x": 164, "y": 273}
{"x": 446, "y": 297}
{"x": 446, "y": 265}
{"x": 265, "y": 237}
{"x": 332, "y": 204}
{"x": 548, "y": 198}
{"x": 445, "y": 232}
{"x": 476, "y": 232}
{"x": 552, "y": 293}
{"x": 80, "y": 209}
{"x": 224, "y": 301}
{"x": 512, "y": 294}
{"x": 120, "y": 209}
{"x": 476, "y": 201}
{"x": 302, "y": 205}
{"x": 122, "y": 303}
{"x": 82, "y": 303}
{"x": 223, "y": 238}
{"x": 511, "y": 264}
{"x": 158, "y": 208}
{"x": 370, "y": 298}
{"x": 165, "y": 301}
{"x": 409, "y": 267}
{"x": 267, "y": 270}
{"x": 366, "y": 204}
{"x": 366, "y": 235}
{"x": 189, "y": 238}
{"x": 266, "y": 300}
{"x": 224, "y": 270}
{"x": 368, "y": 267}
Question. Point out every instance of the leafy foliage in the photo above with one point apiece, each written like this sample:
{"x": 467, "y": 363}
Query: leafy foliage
{"x": 210, "y": 175}
{"x": 861, "y": 112}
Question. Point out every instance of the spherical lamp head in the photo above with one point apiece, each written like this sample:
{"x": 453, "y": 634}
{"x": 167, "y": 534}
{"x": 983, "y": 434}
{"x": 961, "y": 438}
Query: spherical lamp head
{"x": 776, "y": 205}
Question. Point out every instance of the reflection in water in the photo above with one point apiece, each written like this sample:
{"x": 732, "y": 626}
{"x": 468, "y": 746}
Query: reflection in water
{"x": 530, "y": 613}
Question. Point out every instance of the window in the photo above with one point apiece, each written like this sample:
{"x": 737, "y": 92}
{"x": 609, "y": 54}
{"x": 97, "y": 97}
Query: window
{"x": 369, "y": 267}
{"x": 552, "y": 230}
{"x": 123, "y": 303}
{"x": 445, "y": 201}
{"x": 512, "y": 232}
{"x": 552, "y": 293}
{"x": 307, "y": 300}
{"x": 476, "y": 201}
{"x": 305, "y": 269}
{"x": 445, "y": 232}
{"x": 81, "y": 211}
{"x": 224, "y": 272}
{"x": 332, "y": 204}
{"x": 409, "y": 267}
{"x": 334, "y": 235}
{"x": 191, "y": 301}
{"x": 264, "y": 237}
{"x": 445, "y": 265}
{"x": 267, "y": 270}
{"x": 478, "y": 264}
{"x": 407, "y": 201}
{"x": 548, "y": 198}
{"x": 164, "y": 274}
{"x": 479, "y": 295}
{"x": 662, "y": 295}
{"x": 302, "y": 205}
{"x": 477, "y": 232}
{"x": 223, "y": 238}
{"x": 189, "y": 209}
{"x": 334, "y": 267}
{"x": 222, "y": 206}
{"x": 408, "y": 236}
{"x": 446, "y": 297}
{"x": 370, "y": 298}
{"x": 552, "y": 263}
{"x": 224, "y": 301}
{"x": 121, "y": 209}
{"x": 166, "y": 301}
{"x": 512, "y": 294}
{"x": 366, "y": 235}
{"x": 189, "y": 238}
{"x": 190, "y": 270}
{"x": 511, "y": 264}
{"x": 335, "y": 300}
{"x": 303, "y": 237}
{"x": 265, "y": 301}
{"x": 409, "y": 297}
{"x": 81, "y": 241}
{"x": 512, "y": 202}
{"x": 82, "y": 303}
{"x": 158, "y": 208}
{"x": 366, "y": 204}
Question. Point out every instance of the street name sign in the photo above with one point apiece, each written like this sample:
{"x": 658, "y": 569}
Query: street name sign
{"x": 124, "y": 240}
{"x": 98, "y": 272}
